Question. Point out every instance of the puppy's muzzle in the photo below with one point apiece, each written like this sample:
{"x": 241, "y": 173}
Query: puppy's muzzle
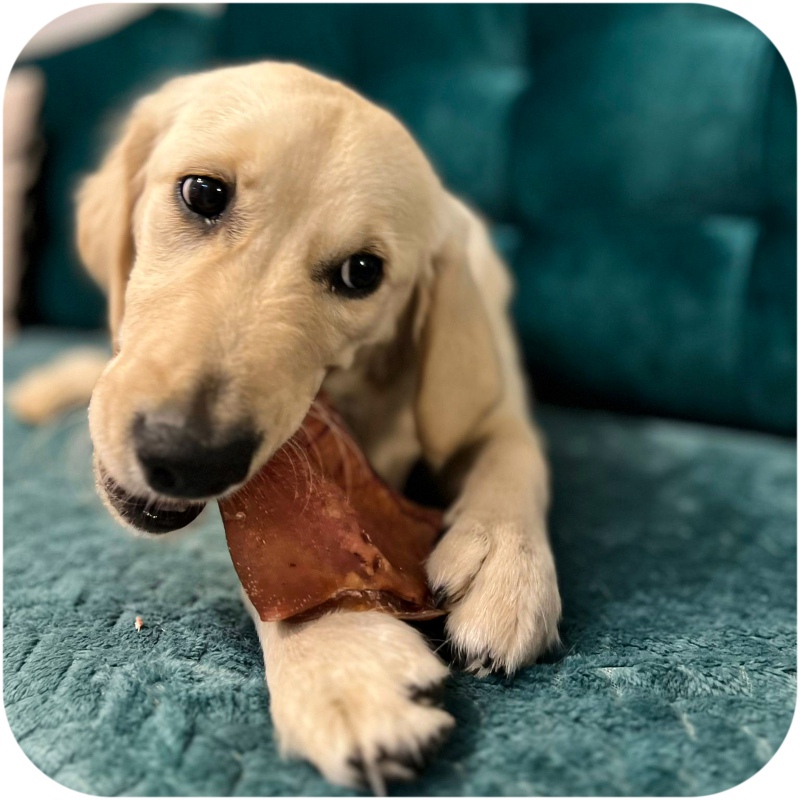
{"x": 142, "y": 513}
{"x": 183, "y": 461}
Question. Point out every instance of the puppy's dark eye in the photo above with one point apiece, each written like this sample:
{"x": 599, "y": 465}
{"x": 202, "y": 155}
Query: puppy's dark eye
{"x": 207, "y": 197}
{"x": 358, "y": 276}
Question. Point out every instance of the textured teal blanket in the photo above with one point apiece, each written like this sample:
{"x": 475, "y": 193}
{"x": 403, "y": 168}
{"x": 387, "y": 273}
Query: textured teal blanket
{"x": 676, "y": 546}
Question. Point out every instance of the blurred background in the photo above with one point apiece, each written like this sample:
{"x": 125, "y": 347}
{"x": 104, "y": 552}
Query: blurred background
{"x": 637, "y": 164}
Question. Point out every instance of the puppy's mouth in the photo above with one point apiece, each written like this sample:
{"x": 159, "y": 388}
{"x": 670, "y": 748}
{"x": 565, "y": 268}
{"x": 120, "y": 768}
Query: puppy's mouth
{"x": 147, "y": 514}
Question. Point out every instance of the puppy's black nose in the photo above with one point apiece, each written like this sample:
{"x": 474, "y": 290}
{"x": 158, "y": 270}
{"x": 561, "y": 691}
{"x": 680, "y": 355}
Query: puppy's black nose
{"x": 180, "y": 461}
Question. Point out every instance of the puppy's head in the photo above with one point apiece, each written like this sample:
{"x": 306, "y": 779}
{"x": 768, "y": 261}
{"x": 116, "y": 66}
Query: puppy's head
{"x": 254, "y": 228}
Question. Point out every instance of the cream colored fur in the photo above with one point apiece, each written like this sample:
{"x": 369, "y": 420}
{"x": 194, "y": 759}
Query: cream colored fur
{"x": 44, "y": 393}
{"x": 427, "y": 366}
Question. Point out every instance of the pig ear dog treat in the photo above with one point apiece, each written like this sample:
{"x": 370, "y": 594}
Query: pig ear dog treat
{"x": 316, "y": 530}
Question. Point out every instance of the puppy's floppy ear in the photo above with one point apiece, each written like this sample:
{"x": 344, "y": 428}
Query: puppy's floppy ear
{"x": 459, "y": 378}
{"x": 105, "y": 205}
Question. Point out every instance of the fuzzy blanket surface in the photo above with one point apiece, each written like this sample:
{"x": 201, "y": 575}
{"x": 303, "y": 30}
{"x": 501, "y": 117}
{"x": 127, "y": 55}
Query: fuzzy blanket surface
{"x": 676, "y": 548}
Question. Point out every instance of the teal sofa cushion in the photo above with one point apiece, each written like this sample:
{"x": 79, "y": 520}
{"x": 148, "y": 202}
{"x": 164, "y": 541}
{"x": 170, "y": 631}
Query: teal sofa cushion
{"x": 667, "y": 110}
{"x": 683, "y": 316}
{"x": 676, "y": 551}
{"x": 654, "y": 185}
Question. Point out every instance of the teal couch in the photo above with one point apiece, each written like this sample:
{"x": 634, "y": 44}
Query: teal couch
{"x": 637, "y": 164}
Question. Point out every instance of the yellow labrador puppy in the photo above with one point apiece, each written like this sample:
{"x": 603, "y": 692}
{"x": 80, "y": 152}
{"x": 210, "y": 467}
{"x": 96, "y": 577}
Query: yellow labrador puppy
{"x": 262, "y": 231}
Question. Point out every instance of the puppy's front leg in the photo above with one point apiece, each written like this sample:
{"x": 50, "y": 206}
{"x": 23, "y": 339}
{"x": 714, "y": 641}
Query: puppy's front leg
{"x": 494, "y": 568}
{"x": 354, "y": 693}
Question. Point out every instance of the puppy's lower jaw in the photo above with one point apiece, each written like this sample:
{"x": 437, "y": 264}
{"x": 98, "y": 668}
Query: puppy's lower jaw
{"x": 143, "y": 514}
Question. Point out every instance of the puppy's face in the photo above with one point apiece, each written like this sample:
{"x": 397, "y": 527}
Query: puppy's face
{"x": 278, "y": 224}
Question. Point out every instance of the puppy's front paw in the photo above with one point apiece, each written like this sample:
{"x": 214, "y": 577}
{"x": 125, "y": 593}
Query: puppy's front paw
{"x": 499, "y": 585}
{"x": 358, "y": 699}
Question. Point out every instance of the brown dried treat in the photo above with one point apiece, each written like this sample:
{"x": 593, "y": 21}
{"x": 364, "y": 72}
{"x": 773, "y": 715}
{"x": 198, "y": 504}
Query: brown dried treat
{"x": 316, "y": 529}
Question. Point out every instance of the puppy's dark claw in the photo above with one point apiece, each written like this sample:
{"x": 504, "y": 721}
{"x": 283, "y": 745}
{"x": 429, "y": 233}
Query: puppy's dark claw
{"x": 391, "y": 765}
{"x": 440, "y": 598}
{"x": 480, "y": 664}
{"x": 432, "y": 745}
{"x": 367, "y": 775}
{"x": 431, "y": 695}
